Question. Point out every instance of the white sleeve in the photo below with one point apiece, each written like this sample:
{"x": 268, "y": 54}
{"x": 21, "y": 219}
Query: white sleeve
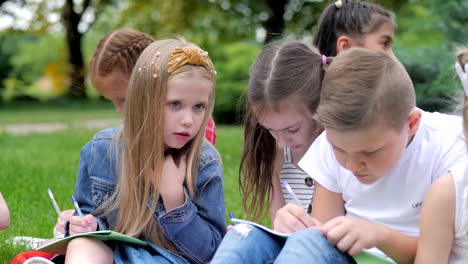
{"x": 455, "y": 155}
{"x": 320, "y": 163}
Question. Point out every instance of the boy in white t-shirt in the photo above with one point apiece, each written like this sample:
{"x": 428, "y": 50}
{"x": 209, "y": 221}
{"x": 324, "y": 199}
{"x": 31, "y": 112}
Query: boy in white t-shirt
{"x": 375, "y": 160}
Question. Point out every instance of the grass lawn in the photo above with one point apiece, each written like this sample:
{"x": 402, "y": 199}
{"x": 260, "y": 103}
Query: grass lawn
{"x": 59, "y": 111}
{"x": 32, "y": 163}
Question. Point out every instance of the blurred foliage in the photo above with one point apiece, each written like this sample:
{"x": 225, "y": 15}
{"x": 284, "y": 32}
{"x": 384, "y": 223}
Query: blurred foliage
{"x": 232, "y": 66}
{"x": 38, "y": 66}
{"x": 232, "y": 31}
{"x": 428, "y": 35}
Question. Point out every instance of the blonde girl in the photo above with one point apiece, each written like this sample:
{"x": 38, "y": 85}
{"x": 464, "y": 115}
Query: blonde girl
{"x": 111, "y": 66}
{"x": 156, "y": 178}
{"x": 112, "y": 63}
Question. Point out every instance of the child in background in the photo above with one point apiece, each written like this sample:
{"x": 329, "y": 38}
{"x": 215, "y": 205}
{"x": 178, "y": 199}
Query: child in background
{"x": 4, "y": 213}
{"x": 155, "y": 178}
{"x": 353, "y": 23}
{"x": 444, "y": 214}
{"x": 373, "y": 164}
{"x": 111, "y": 66}
{"x": 342, "y": 25}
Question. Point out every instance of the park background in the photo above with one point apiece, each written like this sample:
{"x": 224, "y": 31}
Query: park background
{"x": 46, "y": 46}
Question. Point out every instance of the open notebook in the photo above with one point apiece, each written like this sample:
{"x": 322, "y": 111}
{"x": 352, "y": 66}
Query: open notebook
{"x": 362, "y": 258}
{"x": 59, "y": 246}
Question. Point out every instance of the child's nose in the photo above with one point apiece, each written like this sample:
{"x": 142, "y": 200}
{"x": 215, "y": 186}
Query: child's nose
{"x": 187, "y": 118}
{"x": 354, "y": 165}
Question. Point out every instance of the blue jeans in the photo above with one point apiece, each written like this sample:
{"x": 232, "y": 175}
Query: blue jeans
{"x": 151, "y": 253}
{"x": 248, "y": 244}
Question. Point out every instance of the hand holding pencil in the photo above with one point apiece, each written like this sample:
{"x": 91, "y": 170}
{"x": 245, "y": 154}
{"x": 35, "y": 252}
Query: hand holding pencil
{"x": 81, "y": 224}
{"x": 78, "y": 224}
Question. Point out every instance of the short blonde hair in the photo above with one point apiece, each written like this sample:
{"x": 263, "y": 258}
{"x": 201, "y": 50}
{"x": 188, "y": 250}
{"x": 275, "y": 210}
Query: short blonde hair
{"x": 362, "y": 87}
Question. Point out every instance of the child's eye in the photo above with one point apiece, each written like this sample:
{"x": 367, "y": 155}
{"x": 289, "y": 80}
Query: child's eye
{"x": 292, "y": 131}
{"x": 388, "y": 44}
{"x": 199, "y": 107}
{"x": 174, "y": 105}
{"x": 370, "y": 153}
{"x": 337, "y": 150}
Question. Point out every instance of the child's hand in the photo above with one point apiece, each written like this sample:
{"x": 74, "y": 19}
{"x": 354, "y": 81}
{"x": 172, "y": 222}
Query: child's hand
{"x": 79, "y": 226}
{"x": 352, "y": 235}
{"x": 291, "y": 218}
{"x": 463, "y": 75}
{"x": 172, "y": 181}
{"x": 65, "y": 216}
{"x": 173, "y": 175}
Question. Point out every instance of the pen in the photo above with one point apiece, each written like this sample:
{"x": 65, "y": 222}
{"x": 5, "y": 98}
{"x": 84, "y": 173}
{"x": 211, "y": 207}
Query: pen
{"x": 288, "y": 188}
{"x": 54, "y": 203}
{"x": 77, "y": 207}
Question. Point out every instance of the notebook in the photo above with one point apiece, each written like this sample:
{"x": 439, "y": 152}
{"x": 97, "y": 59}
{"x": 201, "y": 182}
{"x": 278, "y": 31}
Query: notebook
{"x": 60, "y": 246}
{"x": 362, "y": 258}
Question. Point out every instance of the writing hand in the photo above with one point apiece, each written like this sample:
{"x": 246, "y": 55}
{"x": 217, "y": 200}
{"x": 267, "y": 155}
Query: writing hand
{"x": 79, "y": 226}
{"x": 64, "y": 217}
{"x": 291, "y": 218}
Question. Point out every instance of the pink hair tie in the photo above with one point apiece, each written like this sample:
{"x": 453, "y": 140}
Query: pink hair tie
{"x": 324, "y": 60}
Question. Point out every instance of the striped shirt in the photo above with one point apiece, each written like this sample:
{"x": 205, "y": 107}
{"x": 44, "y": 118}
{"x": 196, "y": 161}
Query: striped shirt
{"x": 301, "y": 183}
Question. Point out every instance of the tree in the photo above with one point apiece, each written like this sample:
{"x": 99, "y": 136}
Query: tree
{"x": 274, "y": 26}
{"x": 72, "y": 14}
{"x": 71, "y": 20}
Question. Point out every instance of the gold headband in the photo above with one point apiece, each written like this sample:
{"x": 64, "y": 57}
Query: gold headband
{"x": 189, "y": 55}
{"x": 338, "y": 4}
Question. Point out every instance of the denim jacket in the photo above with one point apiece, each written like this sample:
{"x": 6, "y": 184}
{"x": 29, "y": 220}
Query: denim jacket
{"x": 196, "y": 228}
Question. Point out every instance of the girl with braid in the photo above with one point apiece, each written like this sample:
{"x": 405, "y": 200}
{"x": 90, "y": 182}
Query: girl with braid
{"x": 156, "y": 177}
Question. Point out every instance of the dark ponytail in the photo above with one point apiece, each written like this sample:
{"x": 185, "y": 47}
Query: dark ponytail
{"x": 353, "y": 18}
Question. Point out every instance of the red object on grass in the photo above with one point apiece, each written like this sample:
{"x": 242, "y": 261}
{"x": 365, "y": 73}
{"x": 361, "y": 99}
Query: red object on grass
{"x": 20, "y": 258}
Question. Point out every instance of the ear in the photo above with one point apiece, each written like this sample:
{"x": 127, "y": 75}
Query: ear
{"x": 414, "y": 119}
{"x": 343, "y": 43}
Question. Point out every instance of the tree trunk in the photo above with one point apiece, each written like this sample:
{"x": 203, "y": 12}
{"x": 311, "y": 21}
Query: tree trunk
{"x": 275, "y": 24}
{"x": 71, "y": 19}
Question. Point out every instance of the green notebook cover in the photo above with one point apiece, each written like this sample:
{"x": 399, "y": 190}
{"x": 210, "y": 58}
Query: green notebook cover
{"x": 368, "y": 258}
{"x": 59, "y": 246}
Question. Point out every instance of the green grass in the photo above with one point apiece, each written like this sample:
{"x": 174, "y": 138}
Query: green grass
{"x": 32, "y": 163}
{"x": 58, "y": 111}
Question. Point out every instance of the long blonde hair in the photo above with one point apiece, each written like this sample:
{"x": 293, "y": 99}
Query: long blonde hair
{"x": 143, "y": 142}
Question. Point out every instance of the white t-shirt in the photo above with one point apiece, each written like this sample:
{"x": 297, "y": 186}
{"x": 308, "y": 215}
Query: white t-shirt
{"x": 394, "y": 200}
{"x": 459, "y": 252}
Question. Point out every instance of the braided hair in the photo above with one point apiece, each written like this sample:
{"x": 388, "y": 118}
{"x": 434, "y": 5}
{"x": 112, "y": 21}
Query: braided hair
{"x": 119, "y": 51}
